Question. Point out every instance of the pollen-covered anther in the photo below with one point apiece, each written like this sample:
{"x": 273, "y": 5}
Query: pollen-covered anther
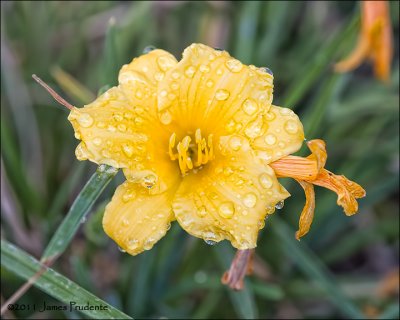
{"x": 191, "y": 155}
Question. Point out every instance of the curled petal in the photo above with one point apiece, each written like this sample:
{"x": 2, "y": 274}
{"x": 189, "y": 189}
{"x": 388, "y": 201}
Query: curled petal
{"x": 318, "y": 149}
{"x": 307, "y": 215}
{"x": 295, "y": 167}
{"x": 347, "y": 191}
{"x": 136, "y": 220}
{"x": 240, "y": 267}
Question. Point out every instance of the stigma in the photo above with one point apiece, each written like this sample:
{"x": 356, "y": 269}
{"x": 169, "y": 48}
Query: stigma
{"x": 191, "y": 154}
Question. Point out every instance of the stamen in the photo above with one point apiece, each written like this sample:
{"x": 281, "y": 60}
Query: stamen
{"x": 202, "y": 153}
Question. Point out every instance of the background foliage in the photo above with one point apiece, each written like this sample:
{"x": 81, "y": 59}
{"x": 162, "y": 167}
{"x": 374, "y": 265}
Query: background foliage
{"x": 344, "y": 268}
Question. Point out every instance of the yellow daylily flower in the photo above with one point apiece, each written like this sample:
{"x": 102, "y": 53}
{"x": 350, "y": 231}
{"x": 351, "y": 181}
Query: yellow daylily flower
{"x": 200, "y": 142}
{"x": 374, "y": 41}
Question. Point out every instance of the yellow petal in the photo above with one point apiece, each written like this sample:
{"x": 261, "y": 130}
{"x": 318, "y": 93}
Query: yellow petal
{"x": 121, "y": 127}
{"x": 136, "y": 220}
{"x": 283, "y": 134}
{"x": 230, "y": 197}
{"x": 148, "y": 69}
{"x": 211, "y": 90}
{"x": 318, "y": 150}
{"x": 347, "y": 191}
{"x": 307, "y": 215}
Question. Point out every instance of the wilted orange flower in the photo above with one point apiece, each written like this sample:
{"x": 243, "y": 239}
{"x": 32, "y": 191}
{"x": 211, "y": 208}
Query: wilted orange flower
{"x": 199, "y": 141}
{"x": 374, "y": 42}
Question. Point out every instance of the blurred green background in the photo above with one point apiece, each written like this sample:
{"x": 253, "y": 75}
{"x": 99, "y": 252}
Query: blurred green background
{"x": 343, "y": 267}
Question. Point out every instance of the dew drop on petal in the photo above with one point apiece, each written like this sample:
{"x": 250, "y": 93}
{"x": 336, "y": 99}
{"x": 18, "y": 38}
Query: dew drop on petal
{"x": 127, "y": 149}
{"x": 249, "y": 107}
{"x": 280, "y": 204}
{"x": 254, "y": 129}
{"x": 210, "y": 242}
{"x": 97, "y": 141}
{"x": 175, "y": 75}
{"x": 267, "y": 70}
{"x": 149, "y": 181}
{"x": 189, "y": 72}
{"x": 122, "y": 250}
{"x": 265, "y": 180}
{"x": 133, "y": 244}
{"x": 85, "y": 120}
{"x": 291, "y": 127}
{"x": 250, "y": 200}
{"x": 118, "y": 117}
{"x": 202, "y": 211}
{"x": 139, "y": 121}
{"x": 166, "y": 117}
{"x": 270, "y": 139}
{"x": 148, "y": 49}
{"x": 204, "y": 68}
{"x": 121, "y": 127}
{"x": 235, "y": 143}
{"x": 226, "y": 210}
{"x": 159, "y": 76}
{"x": 209, "y": 83}
{"x": 125, "y": 221}
{"x": 165, "y": 62}
{"x": 222, "y": 94}
{"x": 234, "y": 65}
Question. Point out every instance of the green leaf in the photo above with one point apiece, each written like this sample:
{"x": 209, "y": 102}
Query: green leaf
{"x": 78, "y": 211}
{"x": 25, "y": 266}
{"x": 313, "y": 268}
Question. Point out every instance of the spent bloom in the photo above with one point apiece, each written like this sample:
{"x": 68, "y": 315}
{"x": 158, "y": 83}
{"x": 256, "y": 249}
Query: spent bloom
{"x": 374, "y": 41}
{"x": 200, "y": 142}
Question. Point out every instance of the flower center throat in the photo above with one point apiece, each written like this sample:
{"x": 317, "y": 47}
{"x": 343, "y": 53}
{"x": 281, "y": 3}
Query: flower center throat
{"x": 191, "y": 154}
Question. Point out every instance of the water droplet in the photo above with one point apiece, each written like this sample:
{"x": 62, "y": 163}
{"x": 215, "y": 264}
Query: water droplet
{"x": 127, "y": 149}
{"x": 261, "y": 224}
{"x": 175, "y": 75}
{"x": 202, "y": 211}
{"x": 129, "y": 115}
{"x": 204, "y": 68}
{"x": 228, "y": 171}
{"x": 209, "y": 83}
{"x": 265, "y": 180}
{"x": 85, "y": 120}
{"x": 133, "y": 244}
{"x": 122, "y": 250}
{"x": 218, "y": 49}
{"x": 210, "y": 242}
{"x": 270, "y": 139}
{"x": 97, "y": 141}
{"x": 166, "y": 62}
{"x": 211, "y": 57}
{"x": 267, "y": 70}
{"x": 121, "y": 127}
{"x": 234, "y": 65}
{"x": 139, "y": 94}
{"x": 235, "y": 143}
{"x": 163, "y": 93}
{"x": 159, "y": 76}
{"x": 149, "y": 49}
{"x": 270, "y": 116}
{"x": 281, "y": 144}
{"x": 139, "y": 121}
{"x": 77, "y": 135}
{"x": 189, "y": 72}
{"x": 254, "y": 128}
{"x": 175, "y": 85}
{"x": 81, "y": 151}
{"x": 250, "y": 200}
{"x": 111, "y": 128}
{"x": 118, "y": 117}
{"x": 219, "y": 72}
{"x": 250, "y": 107}
{"x": 101, "y": 125}
{"x": 166, "y": 117}
{"x": 222, "y": 94}
{"x": 149, "y": 181}
{"x": 291, "y": 127}
{"x": 226, "y": 209}
{"x": 285, "y": 111}
{"x": 83, "y": 220}
{"x": 280, "y": 204}
{"x": 125, "y": 221}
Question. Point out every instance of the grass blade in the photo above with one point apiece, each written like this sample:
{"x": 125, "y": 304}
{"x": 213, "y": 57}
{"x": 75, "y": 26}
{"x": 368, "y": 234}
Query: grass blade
{"x": 24, "y": 265}
{"x": 79, "y": 209}
{"x": 313, "y": 268}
